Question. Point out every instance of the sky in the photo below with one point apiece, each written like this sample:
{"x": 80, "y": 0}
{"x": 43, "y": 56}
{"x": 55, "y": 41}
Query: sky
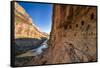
{"x": 41, "y": 14}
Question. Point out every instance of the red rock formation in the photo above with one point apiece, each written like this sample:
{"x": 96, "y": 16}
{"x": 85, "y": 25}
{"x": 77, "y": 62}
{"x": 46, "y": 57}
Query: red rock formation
{"x": 73, "y": 35}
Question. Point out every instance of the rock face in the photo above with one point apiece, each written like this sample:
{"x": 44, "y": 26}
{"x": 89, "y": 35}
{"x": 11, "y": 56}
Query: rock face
{"x": 24, "y": 28}
{"x": 73, "y": 35}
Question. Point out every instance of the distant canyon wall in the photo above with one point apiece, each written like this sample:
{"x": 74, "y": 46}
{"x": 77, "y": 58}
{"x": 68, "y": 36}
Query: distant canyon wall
{"x": 24, "y": 27}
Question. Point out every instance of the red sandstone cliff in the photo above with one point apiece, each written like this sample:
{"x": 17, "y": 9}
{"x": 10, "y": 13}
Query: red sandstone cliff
{"x": 73, "y": 36}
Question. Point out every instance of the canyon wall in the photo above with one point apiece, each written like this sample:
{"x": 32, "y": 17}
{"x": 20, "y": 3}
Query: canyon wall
{"x": 73, "y": 35}
{"x": 24, "y": 27}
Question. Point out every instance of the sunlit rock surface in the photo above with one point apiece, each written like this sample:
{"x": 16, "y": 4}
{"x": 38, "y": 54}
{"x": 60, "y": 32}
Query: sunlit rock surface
{"x": 24, "y": 27}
